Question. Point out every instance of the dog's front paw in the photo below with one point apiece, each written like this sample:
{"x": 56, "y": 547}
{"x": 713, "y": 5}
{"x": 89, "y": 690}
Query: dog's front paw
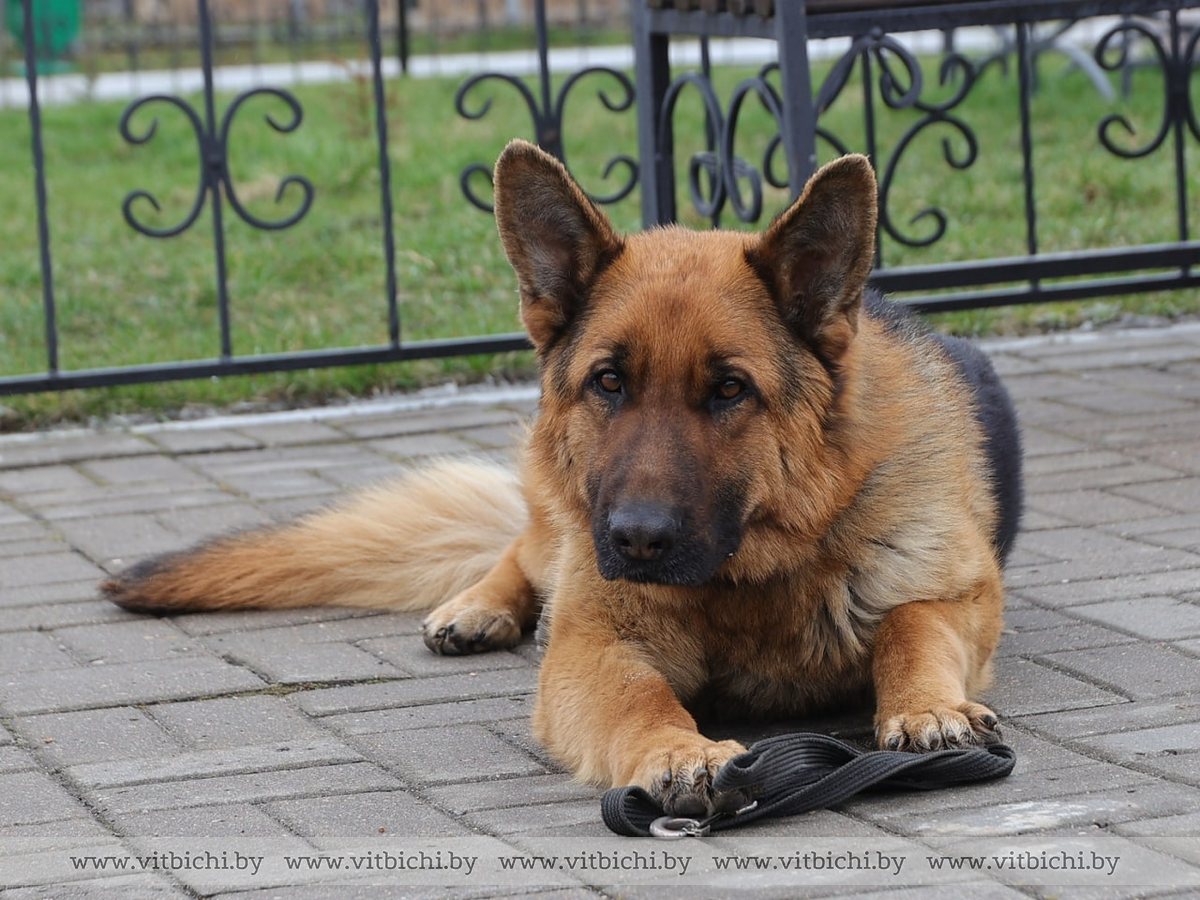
{"x": 680, "y": 776}
{"x": 939, "y": 728}
{"x": 469, "y": 624}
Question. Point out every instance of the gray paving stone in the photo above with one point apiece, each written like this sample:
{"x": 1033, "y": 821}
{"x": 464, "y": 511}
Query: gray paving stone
{"x": 51, "y": 568}
{"x": 201, "y": 440}
{"x": 436, "y": 444}
{"x": 68, "y": 739}
{"x": 253, "y": 620}
{"x": 229, "y": 820}
{"x": 495, "y": 436}
{"x": 27, "y": 615}
{"x": 415, "y": 691}
{"x": 123, "y": 538}
{"x": 24, "y": 651}
{"x": 542, "y": 819}
{"x": 158, "y": 499}
{"x": 30, "y": 797}
{"x": 309, "y": 627}
{"x": 192, "y": 523}
{"x": 396, "y": 813}
{"x": 19, "y": 482}
{"x": 533, "y": 790}
{"x": 1184, "y": 539}
{"x": 409, "y": 654}
{"x": 145, "y": 468}
{"x": 424, "y": 422}
{"x": 11, "y": 516}
{"x": 234, "y": 722}
{"x": 131, "y": 641}
{"x": 286, "y": 434}
{"x": 305, "y": 663}
{"x": 1079, "y": 723}
{"x": 1092, "y": 507}
{"x": 1181, "y": 495}
{"x": 14, "y": 759}
{"x": 1103, "y": 476}
{"x": 1142, "y": 672}
{"x": 1090, "y": 553}
{"x": 206, "y": 763}
{"x": 314, "y": 458}
{"x": 1157, "y": 618}
{"x": 1091, "y": 590}
{"x": 276, "y": 485}
{"x": 27, "y": 530}
{"x": 43, "y": 594}
{"x": 1023, "y": 687}
{"x": 1179, "y": 454}
{"x": 1143, "y": 871}
{"x": 1069, "y": 637}
{"x": 318, "y": 781}
{"x": 447, "y": 754}
{"x": 50, "y": 448}
{"x": 464, "y": 712}
{"x": 930, "y": 812}
{"x": 36, "y": 547}
{"x": 120, "y": 685}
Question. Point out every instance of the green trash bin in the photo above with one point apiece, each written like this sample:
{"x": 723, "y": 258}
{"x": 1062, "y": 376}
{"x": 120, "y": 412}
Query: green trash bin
{"x": 55, "y": 28}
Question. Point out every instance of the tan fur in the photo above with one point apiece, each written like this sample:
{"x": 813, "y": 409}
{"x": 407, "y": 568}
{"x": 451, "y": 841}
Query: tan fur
{"x": 865, "y": 562}
{"x": 408, "y": 544}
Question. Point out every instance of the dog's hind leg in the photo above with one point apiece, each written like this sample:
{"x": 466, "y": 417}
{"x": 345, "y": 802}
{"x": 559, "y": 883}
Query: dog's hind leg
{"x": 495, "y": 611}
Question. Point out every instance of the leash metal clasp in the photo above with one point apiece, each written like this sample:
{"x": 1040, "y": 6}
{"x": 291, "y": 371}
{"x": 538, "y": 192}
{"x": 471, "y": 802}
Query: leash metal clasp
{"x": 674, "y": 828}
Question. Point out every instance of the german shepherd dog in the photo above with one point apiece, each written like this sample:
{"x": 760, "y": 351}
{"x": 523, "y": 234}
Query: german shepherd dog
{"x": 752, "y": 485}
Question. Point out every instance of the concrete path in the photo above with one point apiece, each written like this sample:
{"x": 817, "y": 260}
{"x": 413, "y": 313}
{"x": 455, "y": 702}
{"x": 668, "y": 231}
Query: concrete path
{"x": 230, "y": 753}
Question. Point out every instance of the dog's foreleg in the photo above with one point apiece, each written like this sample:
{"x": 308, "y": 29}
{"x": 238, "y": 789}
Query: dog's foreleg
{"x": 930, "y": 658}
{"x": 605, "y": 711}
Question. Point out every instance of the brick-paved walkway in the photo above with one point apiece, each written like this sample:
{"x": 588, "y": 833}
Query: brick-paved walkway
{"x": 288, "y": 728}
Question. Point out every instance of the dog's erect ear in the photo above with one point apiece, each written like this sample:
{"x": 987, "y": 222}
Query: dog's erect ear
{"x": 555, "y": 238}
{"x": 818, "y": 254}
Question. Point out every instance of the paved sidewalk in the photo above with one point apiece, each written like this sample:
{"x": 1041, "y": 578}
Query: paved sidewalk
{"x": 297, "y": 730}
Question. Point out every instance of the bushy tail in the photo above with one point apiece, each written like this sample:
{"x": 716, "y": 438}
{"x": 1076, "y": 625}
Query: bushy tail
{"x": 409, "y": 544}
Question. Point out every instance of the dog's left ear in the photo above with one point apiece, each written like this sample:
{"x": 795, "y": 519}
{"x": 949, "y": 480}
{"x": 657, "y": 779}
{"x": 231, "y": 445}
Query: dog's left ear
{"x": 554, "y": 236}
{"x": 817, "y": 255}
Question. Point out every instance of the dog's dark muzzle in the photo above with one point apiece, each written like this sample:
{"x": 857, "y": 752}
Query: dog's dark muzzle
{"x": 652, "y": 544}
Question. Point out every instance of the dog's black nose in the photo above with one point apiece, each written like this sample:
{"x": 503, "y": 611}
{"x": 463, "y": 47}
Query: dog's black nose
{"x": 643, "y": 532}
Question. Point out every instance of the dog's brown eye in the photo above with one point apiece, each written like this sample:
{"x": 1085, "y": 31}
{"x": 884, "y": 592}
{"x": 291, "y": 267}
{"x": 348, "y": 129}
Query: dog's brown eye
{"x": 609, "y": 381}
{"x": 730, "y": 389}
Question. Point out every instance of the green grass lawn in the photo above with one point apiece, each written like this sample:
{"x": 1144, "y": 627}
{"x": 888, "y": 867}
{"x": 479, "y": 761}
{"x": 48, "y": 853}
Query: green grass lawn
{"x": 124, "y": 298}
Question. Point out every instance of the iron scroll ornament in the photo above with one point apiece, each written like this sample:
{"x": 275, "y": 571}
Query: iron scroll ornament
{"x": 718, "y": 176}
{"x": 547, "y": 115}
{"x": 1176, "y": 65}
{"x": 213, "y": 143}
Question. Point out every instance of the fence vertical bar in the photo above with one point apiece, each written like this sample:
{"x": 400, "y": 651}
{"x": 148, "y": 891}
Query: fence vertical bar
{"x": 214, "y": 158}
{"x": 1179, "y": 74}
{"x": 39, "y": 181}
{"x": 871, "y": 137}
{"x": 385, "y": 169}
{"x": 549, "y": 133}
{"x": 403, "y": 38}
{"x": 1025, "y": 63}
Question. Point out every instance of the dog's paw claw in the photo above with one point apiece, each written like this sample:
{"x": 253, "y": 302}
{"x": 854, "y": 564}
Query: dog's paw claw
{"x": 939, "y": 728}
{"x": 680, "y": 779}
{"x": 462, "y": 626}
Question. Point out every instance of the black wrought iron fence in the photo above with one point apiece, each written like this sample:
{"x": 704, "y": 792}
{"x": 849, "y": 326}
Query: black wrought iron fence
{"x": 874, "y": 71}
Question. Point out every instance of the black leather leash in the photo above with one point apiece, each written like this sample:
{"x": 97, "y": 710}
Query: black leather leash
{"x": 796, "y": 773}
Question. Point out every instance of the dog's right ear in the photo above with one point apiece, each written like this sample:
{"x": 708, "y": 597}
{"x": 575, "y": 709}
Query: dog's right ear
{"x": 554, "y": 236}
